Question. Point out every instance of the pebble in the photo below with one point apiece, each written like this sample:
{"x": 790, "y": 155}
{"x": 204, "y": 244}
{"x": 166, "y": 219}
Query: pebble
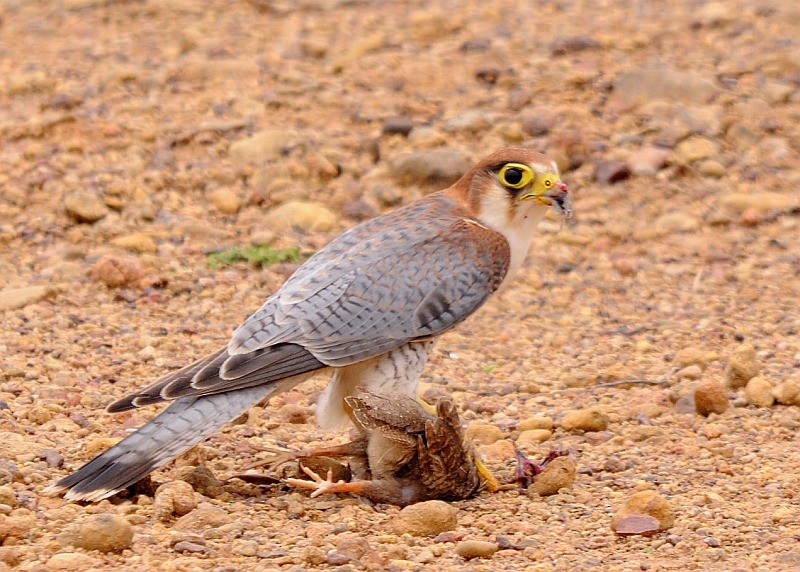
{"x": 15, "y": 298}
{"x": 70, "y": 562}
{"x": 136, "y": 242}
{"x": 173, "y": 498}
{"x": 785, "y": 393}
{"x": 711, "y": 397}
{"x": 712, "y": 168}
{"x": 469, "y": 549}
{"x": 584, "y": 420}
{"x": 648, "y": 161}
{"x": 758, "y": 392}
{"x": 439, "y": 167}
{"x": 661, "y": 83}
{"x": 763, "y": 201}
{"x": 483, "y": 433}
{"x": 262, "y": 146}
{"x": 7, "y": 496}
{"x": 558, "y": 474}
{"x": 676, "y": 221}
{"x": 400, "y": 125}
{"x": 426, "y": 518}
{"x": 202, "y": 480}
{"x": 610, "y": 172}
{"x": 691, "y": 356}
{"x": 85, "y": 206}
{"x": 300, "y": 216}
{"x": 743, "y": 366}
{"x": 648, "y": 503}
{"x": 536, "y": 422}
{"x": 636, "y": 524}
{"x": 571, "y": 44}
{"x": 696, "y": 148}
{"x": 117, "y": 271}
{"x": 689, "y": 372}
{"x": 204, "y": 516}
{"x": 470, "y": 121}
{"x": 102, "y": 532}
{"x": 225, "y": 200}
{"x": 527, "y": 439}
{"x": 16, "y": 525}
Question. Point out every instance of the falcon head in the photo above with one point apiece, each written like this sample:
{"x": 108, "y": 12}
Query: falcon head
{"x": 513, "y": 186}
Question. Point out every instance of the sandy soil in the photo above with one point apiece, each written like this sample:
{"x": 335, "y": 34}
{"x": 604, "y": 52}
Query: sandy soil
{"x": 126, "y": 157}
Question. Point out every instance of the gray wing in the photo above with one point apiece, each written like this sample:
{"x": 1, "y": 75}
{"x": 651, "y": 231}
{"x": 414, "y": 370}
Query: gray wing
{"x": 414, "y": 273}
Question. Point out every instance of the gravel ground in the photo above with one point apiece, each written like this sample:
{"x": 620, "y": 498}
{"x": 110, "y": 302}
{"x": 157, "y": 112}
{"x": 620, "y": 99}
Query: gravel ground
{"x": 137, "y": 137}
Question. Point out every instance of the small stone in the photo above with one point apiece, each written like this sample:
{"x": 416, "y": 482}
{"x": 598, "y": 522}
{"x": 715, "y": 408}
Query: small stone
{"x": 610, "y": 172}
{"x": 117, "y": 271}
{"x": 15, "y": 298}
{"x": 646, "y": 503}
{"x": 202, "y": 480}
{"x": 676, "y": 221}
{"x": 743, "y": 366}
{"x": 636, "y": 524}
{"x": 85, "y": 206}
{"x": 101, "y": 532}
{"x": 70, "y": 561}
{"x": 401, "y": 125}
{"x": 483, "y": 433}
{"x": 691, "y": 356}
{"x": 648, "y": 161}
{"x": 696, "y": 148}
{"x": 426, "y": 518}
{"x": 710, "y": 397}
{"x": 535, "y": 422}
{"x": 751, "y": 217}
{"x": 16, "y": 526}
{"x": 225, "y": 201}
{"x": 173, "y": 498}
{"x": 689, "y": 372}
{"x": 300, "y": 216}
{"x": 439, "y": 167}
{"x": 469, "y": 549}
{"x": 532, "y": 437}
{"x": 205, "y": 516}
{"x": 763, "y": 202}
{"x": 785, "y": 393}
{"x": 571, "y": 44}
{"x": 584, "y": 420}
{"x": 470, "y": 121}
{"x": 137, "y": 242}
{"x": 661, "y": 83}
{"x": 759, "y": 392}
{"x": 7, "y": 496}
{"x": 260, "y": 147}
{"x": 711, "y": 168}
{"x": 188, "y": 547}
{"x": 558, "y": 474}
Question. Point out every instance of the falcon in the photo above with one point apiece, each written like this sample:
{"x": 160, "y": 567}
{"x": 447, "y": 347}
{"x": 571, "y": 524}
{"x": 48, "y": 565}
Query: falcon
{"x": 369, "y": 307}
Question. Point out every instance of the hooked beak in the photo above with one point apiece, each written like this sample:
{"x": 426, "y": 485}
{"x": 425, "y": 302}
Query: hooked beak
{"x": 558, "y": 198}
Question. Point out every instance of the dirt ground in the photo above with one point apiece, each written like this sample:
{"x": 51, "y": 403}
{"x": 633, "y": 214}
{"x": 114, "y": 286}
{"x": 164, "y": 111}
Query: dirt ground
{"x": 136, "y": 137}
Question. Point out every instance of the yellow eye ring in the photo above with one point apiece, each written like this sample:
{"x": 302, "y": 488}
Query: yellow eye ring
{"x": 516, "y": 175}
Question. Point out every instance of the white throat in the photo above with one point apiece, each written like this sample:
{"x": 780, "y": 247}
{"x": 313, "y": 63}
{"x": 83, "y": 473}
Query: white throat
{"x": 519, "y": 230}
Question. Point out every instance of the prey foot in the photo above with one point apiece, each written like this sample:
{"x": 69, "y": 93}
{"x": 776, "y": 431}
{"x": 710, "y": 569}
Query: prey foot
{"x": 319, "y": 485}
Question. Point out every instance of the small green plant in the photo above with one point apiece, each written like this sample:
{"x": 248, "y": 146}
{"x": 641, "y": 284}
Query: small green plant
{"x": 260, "y": 254}
{"x": 488, "y": 368}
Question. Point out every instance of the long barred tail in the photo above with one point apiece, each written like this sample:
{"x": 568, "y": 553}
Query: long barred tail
{"x": 182, "y": 425}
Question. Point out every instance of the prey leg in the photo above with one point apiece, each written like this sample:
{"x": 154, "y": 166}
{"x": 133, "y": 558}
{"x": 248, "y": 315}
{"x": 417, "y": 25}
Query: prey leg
{"x": 320, "y": 486}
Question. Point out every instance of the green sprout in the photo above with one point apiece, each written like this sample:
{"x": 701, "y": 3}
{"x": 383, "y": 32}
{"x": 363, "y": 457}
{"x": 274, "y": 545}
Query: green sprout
{"x": 260, "y": 254}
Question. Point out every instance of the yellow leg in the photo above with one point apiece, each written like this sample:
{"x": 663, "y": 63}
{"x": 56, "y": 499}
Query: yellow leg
{"x": 484, "y": 473}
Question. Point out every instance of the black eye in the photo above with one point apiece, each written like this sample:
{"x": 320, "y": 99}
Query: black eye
{"x": 512, "y": 176}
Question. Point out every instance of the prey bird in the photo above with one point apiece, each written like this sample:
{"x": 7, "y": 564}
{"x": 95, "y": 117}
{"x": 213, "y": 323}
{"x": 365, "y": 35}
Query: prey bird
{"x": 369, "y": 306}
{"x": 404, "y": 454}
